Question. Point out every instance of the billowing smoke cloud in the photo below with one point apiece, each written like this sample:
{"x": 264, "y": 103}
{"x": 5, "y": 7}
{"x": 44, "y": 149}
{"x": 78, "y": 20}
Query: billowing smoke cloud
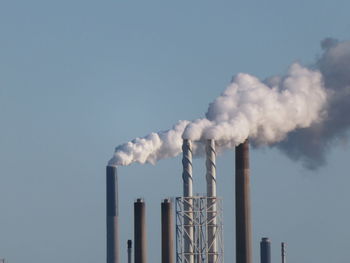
{"x": 292, "y": 112}
{"x": 264, "y": 112}
{"x": 310, "y": 145}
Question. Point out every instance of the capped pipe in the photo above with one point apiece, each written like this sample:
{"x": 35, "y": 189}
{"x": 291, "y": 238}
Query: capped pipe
{"x": 140, "y": 239}
{"x": 129, "y": 251}
{"x": 167, "y": 231}
{"x": 188, "y": 202}
{"x": 265, "y": 250}
{"x": 211, "y": 204}
{"x": 243, "y": 222}
{"x": 112, "y": 215}
{"x": 283, "y": 252}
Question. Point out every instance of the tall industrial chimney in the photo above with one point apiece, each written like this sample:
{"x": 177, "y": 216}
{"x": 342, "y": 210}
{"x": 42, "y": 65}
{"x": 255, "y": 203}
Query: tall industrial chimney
{"x": 265, "y": 250}
{"x": 188, "y": 202}
{"x": 129, "y": 251}
{"x": 167, "y": 232}
{"x": 112, "y": 215}
{"x": 211, "y": 204}
{"x": 140, "y": 231}
{"x": 243, "y": 224}
{"x": 283, "y": 252}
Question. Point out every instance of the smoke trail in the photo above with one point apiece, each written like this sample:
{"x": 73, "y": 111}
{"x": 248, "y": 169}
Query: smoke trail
{"x": 306, "y": 107}
{"x": 151, "y": 148}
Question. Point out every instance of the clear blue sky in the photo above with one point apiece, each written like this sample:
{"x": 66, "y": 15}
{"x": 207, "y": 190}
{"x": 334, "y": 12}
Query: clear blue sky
{"x": 77, "y": 78}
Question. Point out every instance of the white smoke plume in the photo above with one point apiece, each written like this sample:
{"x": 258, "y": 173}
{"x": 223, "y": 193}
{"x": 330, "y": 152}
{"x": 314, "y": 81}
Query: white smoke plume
{"x": 311, "y": 145}
{"x": 299, "y": 103}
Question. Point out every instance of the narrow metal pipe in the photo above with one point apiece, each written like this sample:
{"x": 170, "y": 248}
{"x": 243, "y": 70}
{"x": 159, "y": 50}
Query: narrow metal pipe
{"x": 283, "y": 252}
{"x": 265, "y": 250}
{"x": 243, "y": 221}
{"x": 140, "y": 239}
{"x": 188, "y": 202}
{"x": 129, "y": 251}
{"x": 167, "y": 231}
{"x": 211, "y": 204}
{"x": 112, "y": 215}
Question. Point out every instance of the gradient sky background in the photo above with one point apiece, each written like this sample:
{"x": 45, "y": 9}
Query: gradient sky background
{"x": 77, "y": 78}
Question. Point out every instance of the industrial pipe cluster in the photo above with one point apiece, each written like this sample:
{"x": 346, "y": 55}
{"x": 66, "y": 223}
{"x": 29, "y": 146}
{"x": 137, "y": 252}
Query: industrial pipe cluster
{"x": 242, "y": 208}
{"x": 140, "y": 238}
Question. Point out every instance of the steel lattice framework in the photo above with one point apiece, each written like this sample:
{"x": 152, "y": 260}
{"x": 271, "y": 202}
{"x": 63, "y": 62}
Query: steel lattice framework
{"x": 194, "y": 216}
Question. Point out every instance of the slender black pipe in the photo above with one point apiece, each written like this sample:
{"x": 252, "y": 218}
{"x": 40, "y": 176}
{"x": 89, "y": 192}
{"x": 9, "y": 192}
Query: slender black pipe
{"x": 129, "y": 251}
{"x": 283, "y": 252}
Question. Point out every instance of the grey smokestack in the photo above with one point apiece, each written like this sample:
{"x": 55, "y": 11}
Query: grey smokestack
{"x": 283, "y": 252}
{"x": 188, "y": 193}
{"x": 129, "y": 251}
{"x": 167, "y": 232}
{"x": 140, "y": 231}
{"x": 112, "y": 215}
{"x": 243, "y": 224}
{"x": 265, "y": 250}
{"x": 211, "y": 205}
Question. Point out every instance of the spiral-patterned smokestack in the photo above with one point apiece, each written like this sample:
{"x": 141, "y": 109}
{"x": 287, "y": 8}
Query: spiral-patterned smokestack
{"x": 211, "y": 168}
{"x": 188, "y": 202}
{"x": 187, "y": 168}
{"x": 211, "y": 202}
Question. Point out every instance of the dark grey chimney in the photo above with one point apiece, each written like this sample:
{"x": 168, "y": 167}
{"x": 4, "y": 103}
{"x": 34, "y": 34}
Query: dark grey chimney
{"x": 140, "y": 240}
{"x": 265, "y": 250}
{"x": 167, "y": 232}
{"x": 243, "y": 224}
{"x": 112, "y": 215}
